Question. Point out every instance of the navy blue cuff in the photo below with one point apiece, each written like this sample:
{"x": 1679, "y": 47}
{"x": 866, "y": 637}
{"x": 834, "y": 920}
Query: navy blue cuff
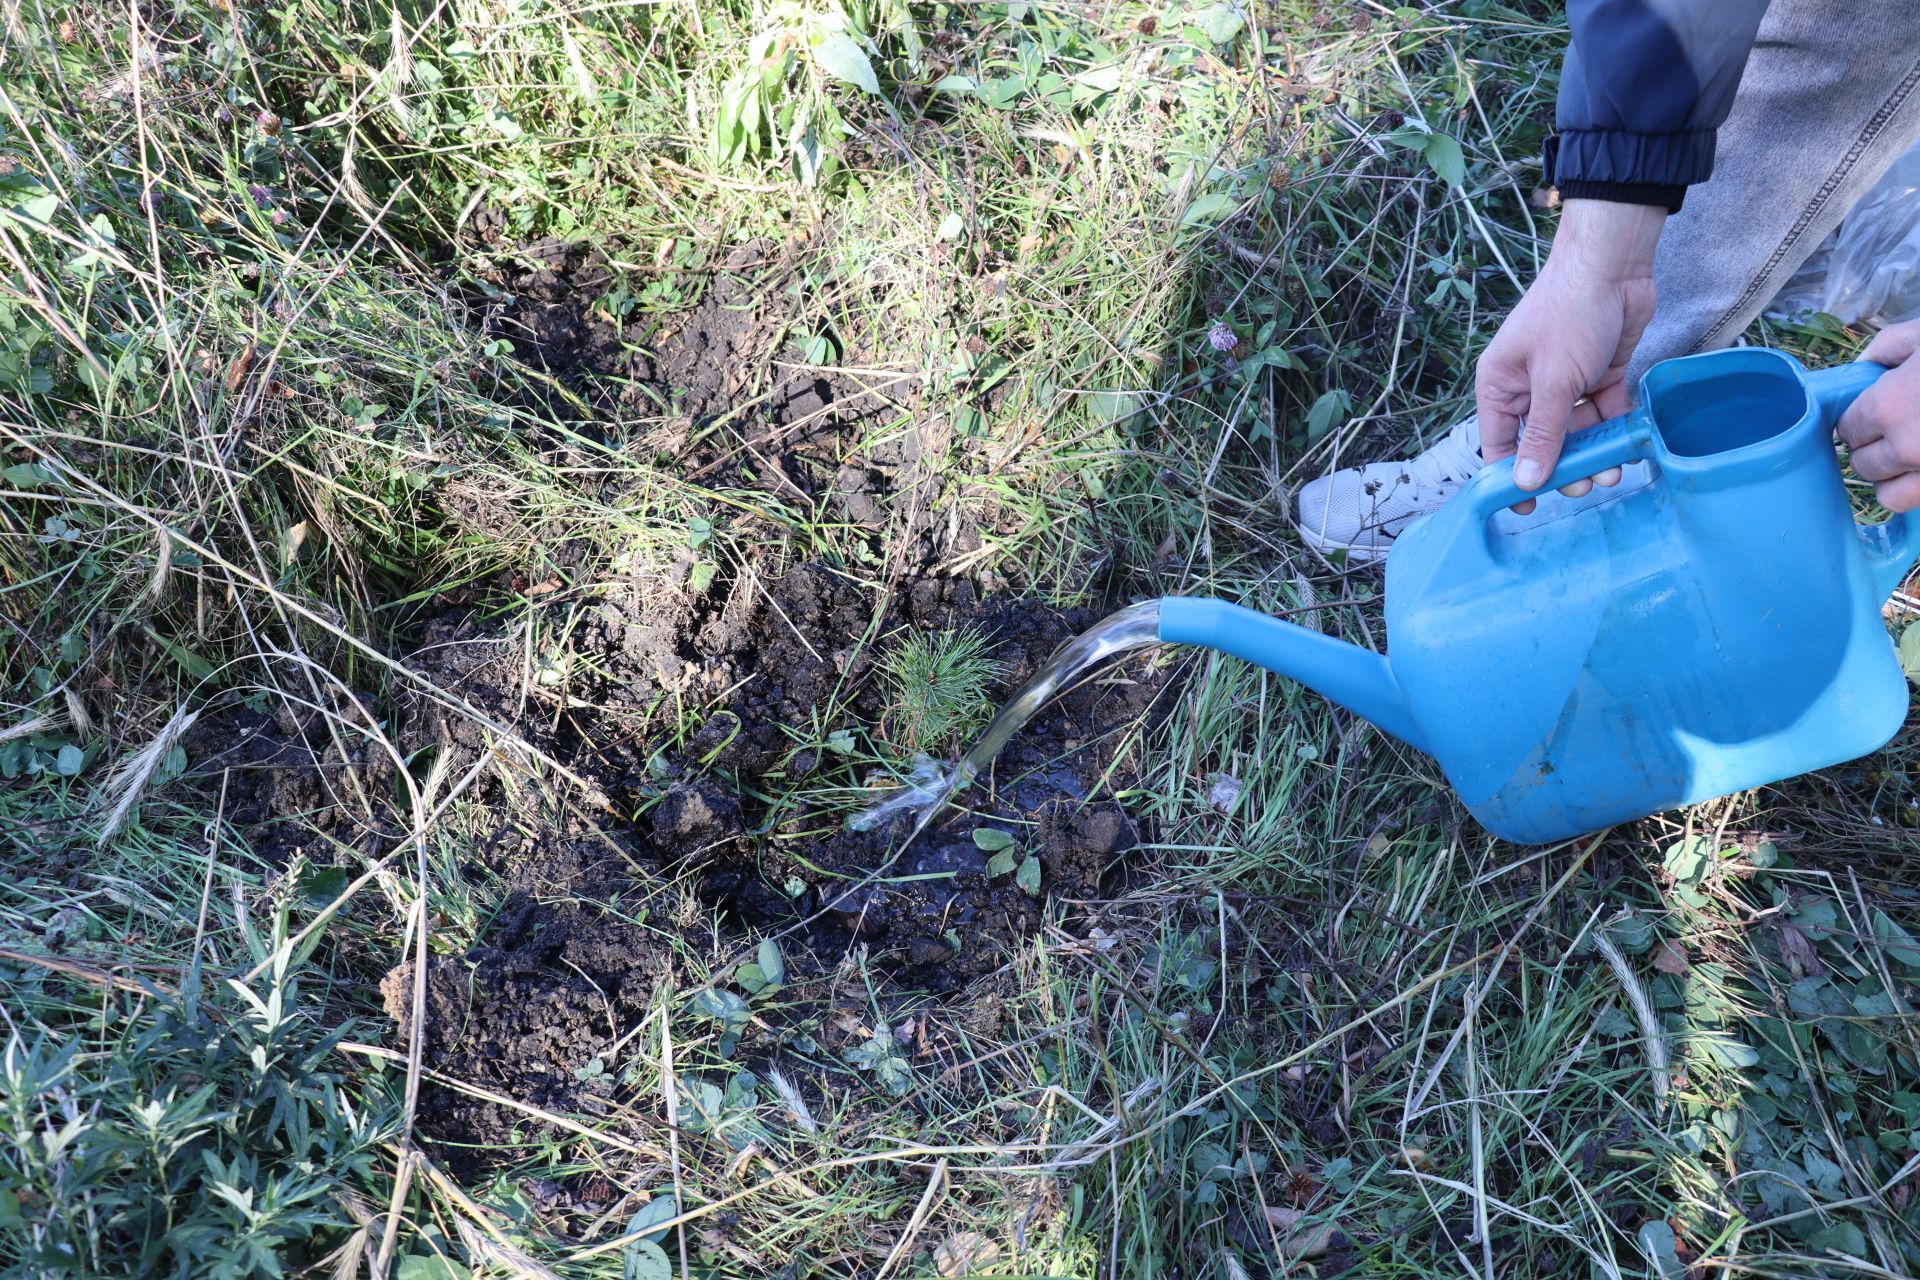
{"x": 1637, "y": 168}
{"x": 1669, "y": 198}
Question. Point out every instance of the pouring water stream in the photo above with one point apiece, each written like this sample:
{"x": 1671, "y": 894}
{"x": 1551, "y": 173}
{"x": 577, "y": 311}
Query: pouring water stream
{"x": 1134, "y": 627}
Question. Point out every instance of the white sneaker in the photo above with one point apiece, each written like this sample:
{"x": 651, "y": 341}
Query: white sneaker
{"x": 1361, "y": 510}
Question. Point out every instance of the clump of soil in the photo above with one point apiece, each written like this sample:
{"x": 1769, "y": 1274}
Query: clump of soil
{"x": 302, "y": 783}
{"x": 530, "y": 1010}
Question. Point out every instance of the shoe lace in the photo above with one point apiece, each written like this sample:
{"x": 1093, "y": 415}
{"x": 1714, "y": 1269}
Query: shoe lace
{"x": 1456, "y": 455}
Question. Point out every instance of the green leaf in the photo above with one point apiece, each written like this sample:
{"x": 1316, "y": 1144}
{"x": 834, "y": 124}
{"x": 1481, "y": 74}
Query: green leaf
{"x": 9, "y": 1208}
{"x": 1028, "y": 876}
{"x": 1840, "y": 1237}
{"x": 722, "y": 1006}
{"x": 840, "y": 56}
{"x": 1443, "y": 153}
{"x": 1688, "y": 860}
{"x": 1114, "y": 408}
{"x": 840, "y": 742}
{"x": 957, "y": 85}
{"x": 429, "y": 1267}
{"x": 1614, "y": 1023}
{"x": 645, "y": 1260}
{"x": 1208, "y": 208}
{"x": 1001, "y": 863}
{"x": 1729, "y": 1052}
{"x": 1910, "y": 651}
{"x": 31, "y": 475}
{"x": 39, "y": 210}
{"x": 702, "y": 576}
{"x": 1661, "y": 1248}
{"x": 1333, "y": 406}
{"x": 195, "y": 665}
{"x": 321, "y": 885}
{"x": 1104, "y": 78}
{"x": 69, "y": 761}
{"x": 772, "y": 963}
{"x": 1222, "y": 23}
{"x": 1825, "y": 1175}
{"x": 1633, "y": 933}
{"x": 991, "y": 840}
{"x": 1899, "y": 944}
{"x": 662, "y": 1208}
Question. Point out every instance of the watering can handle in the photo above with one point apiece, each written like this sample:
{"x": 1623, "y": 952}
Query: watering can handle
{"x": 1612, "y": 443}
{"x": 1893, "y": 545}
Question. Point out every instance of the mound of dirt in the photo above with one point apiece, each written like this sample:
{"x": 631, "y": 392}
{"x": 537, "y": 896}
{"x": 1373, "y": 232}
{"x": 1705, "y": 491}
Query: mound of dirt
{"x": 531, "y": 1010}
{"x": 739, "y": 812}
{"x": 605, "y": 893}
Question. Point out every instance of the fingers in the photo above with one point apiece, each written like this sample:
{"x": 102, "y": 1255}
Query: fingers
{"x": 1499, "y": 398}
{"x": 1865, "y": 420}
{"x": 1590, "y": 412}
{"x": 1499, "y": 426}
{"x": 1902, "y": 493}
{"x": 1581, "y": 488}
{"x": 1550, "y": 400}
{"x": 1894, "y": 344}
{"x": 1878, "y": 462}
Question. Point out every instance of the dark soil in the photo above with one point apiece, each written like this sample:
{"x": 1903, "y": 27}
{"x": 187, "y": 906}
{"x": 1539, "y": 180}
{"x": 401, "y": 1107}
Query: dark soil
{"x": 558, "y": 979}
{"x": 737, "y": 825}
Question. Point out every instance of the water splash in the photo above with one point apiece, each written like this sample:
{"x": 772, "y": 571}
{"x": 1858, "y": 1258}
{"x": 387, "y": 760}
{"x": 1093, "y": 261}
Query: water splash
{"x": 925, "y": 786}
{"x": 930, "y": 786}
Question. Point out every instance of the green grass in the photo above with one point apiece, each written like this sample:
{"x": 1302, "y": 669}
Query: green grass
{"x": 264, "y": 412}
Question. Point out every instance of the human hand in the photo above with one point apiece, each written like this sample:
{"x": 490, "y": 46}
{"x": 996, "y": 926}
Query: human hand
{"x": 1560, "y": 359}
{"x": 1882, "y": 428}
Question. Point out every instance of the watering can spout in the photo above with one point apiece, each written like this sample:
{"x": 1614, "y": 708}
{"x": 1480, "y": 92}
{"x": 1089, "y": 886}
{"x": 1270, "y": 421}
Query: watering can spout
{"x": 1358, "y": 680}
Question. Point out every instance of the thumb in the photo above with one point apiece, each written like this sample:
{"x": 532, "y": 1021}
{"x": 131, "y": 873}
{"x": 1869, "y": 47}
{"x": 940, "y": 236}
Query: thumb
{"x": 1551, "y": 406}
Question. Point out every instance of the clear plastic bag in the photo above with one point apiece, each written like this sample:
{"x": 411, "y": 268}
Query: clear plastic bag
{"x": 1868, "y": 271}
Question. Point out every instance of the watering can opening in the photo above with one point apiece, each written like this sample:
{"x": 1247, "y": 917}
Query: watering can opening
{"x": 1737, "y": 399}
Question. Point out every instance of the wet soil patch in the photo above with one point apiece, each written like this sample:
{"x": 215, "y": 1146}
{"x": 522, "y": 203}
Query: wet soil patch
{"x": 928, "y": 907}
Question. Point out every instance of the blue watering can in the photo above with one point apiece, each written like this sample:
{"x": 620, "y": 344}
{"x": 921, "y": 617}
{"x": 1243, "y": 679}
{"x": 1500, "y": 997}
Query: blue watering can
{"x": 1714, "y": 630}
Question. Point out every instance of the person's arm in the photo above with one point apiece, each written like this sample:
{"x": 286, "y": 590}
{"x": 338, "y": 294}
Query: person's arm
{"x": 1644, "y": 88}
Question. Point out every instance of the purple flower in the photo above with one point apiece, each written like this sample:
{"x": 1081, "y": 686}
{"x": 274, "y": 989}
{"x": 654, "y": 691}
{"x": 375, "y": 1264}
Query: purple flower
{"x": 1221, "y": 336}
{"x": 262, "y": 198}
